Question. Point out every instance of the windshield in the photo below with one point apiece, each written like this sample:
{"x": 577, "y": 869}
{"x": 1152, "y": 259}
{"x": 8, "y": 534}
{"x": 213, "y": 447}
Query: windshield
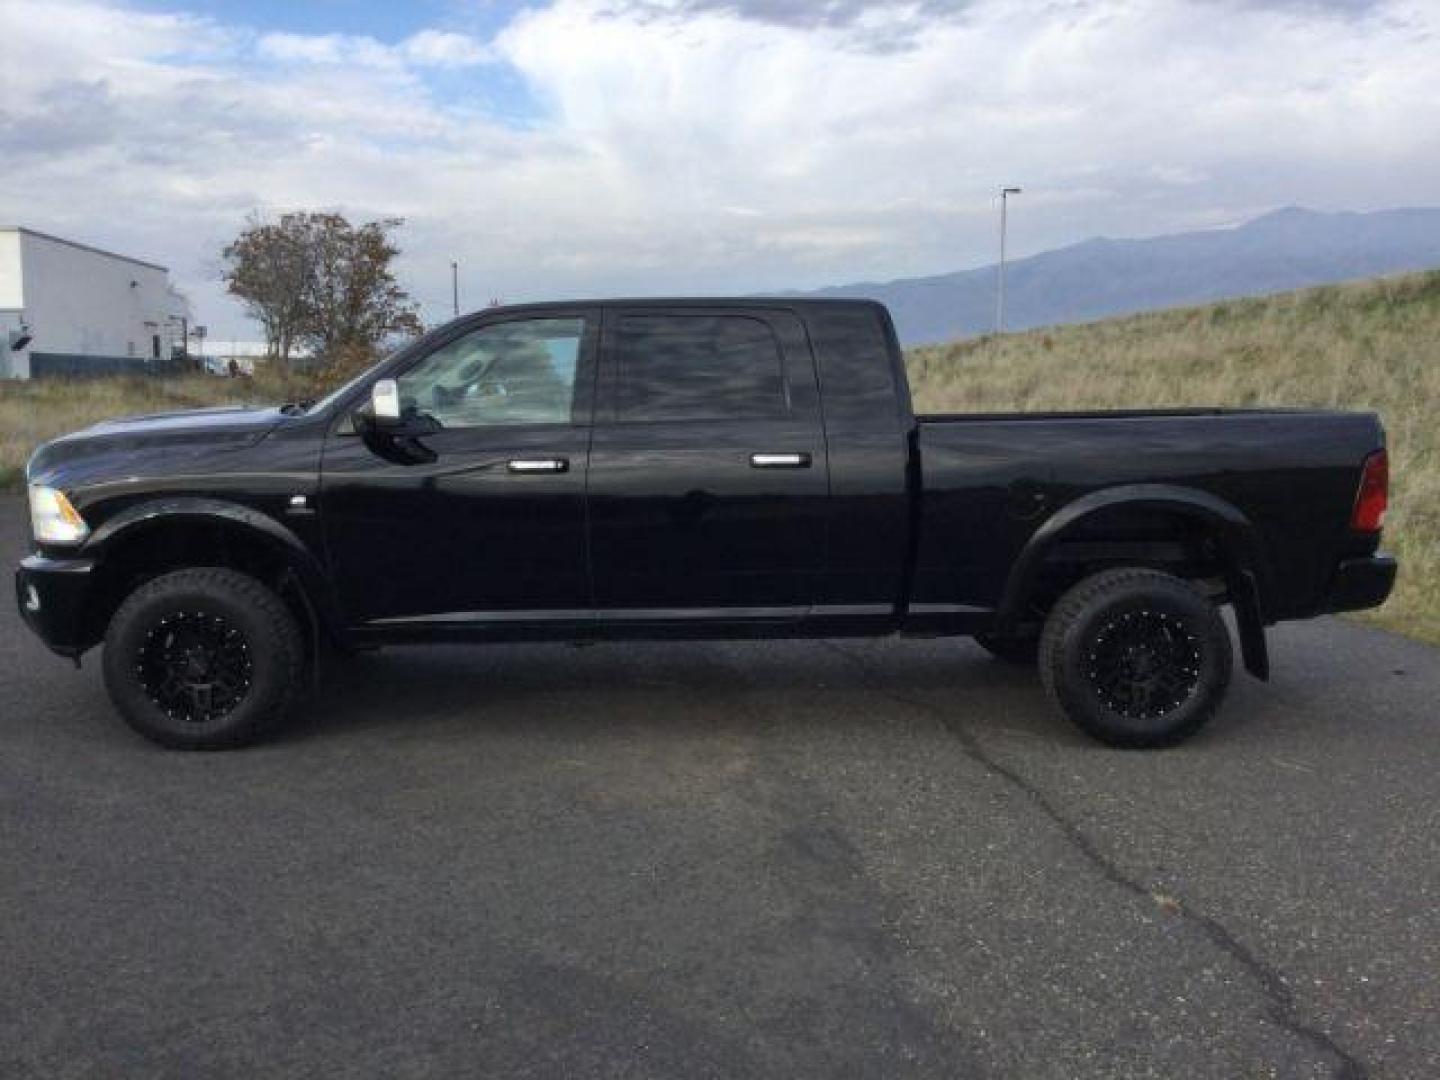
{"x": 345, "y": 387}
{"x": 330, "y": 398}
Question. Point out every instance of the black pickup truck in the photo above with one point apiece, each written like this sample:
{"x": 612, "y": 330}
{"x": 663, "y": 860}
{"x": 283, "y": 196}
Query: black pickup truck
{"x": 690, "y": 468}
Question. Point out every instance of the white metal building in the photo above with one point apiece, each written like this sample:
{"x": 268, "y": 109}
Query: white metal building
{"x": 71, "y": 309}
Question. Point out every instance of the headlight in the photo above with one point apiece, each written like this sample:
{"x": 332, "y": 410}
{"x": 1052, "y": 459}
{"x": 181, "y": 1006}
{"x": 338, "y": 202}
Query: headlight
{"x": 53, "y": 519}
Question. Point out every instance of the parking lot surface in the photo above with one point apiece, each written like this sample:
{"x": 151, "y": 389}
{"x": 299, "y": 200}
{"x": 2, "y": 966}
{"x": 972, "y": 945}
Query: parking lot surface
{"x": 755, "y": 860}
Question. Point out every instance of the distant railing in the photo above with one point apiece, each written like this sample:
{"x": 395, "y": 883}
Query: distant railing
{"x": 69, "y": 365}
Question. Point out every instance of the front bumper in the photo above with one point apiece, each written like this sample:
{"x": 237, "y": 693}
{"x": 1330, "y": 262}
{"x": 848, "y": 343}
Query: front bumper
{"x": 1360, "y": 583}
{"x": 53, "y": 596}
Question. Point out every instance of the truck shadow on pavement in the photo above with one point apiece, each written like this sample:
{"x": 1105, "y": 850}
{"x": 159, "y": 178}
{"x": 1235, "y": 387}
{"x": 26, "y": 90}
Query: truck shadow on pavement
{"x": 671, "y": 689}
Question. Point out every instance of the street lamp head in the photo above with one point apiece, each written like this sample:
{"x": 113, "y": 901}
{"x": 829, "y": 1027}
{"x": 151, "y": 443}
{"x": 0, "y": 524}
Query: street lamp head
{"x": 1009, "y": 191}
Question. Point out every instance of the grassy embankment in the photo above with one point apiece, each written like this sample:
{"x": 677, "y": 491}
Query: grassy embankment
{"x": 1371, "y": 345}
{"x": 1368, "y": 345}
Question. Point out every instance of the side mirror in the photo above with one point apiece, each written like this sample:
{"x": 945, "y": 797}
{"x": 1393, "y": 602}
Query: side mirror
{"x": 385, "y": 401}
{"x": 385, "y": 415}
{"x": 392, "y": 432}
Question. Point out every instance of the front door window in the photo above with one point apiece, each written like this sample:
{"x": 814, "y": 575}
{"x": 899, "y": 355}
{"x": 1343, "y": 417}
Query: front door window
{"x": 520, "y": 372}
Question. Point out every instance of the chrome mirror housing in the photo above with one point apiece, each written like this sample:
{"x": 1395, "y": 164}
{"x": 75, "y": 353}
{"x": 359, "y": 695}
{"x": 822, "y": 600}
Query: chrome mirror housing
{"x": 385, "y": 400}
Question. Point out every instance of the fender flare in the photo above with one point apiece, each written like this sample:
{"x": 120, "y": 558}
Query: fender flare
{"x": 1247, "y": 574}
{"x": 159, "y": 512}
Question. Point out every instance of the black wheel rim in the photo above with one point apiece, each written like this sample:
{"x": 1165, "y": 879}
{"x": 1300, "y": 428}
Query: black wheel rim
{"x": 1144, "y": 664}
{"x": 195, "y": 666}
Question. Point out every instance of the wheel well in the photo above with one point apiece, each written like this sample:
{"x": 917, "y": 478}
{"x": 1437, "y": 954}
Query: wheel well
{"x": 1175, "y": 542}
{"x": 148, "y": 551}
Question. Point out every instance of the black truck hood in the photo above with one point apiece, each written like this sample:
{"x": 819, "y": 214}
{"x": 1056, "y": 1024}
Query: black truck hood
{"x": 116, "y": 446}
{"x": 217, "y": 419}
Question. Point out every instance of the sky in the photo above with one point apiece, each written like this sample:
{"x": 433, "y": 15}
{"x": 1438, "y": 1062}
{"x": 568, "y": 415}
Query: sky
{"x": 633, "y": 147}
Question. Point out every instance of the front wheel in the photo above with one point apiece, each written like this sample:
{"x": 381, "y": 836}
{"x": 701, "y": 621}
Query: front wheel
{"x": 203, "y": 659}
{"x": 1022, "y": 650}
{"x": 1136, "y": 658}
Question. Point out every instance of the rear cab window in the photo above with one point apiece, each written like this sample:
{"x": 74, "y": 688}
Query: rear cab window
{"x": 857, "y": 372}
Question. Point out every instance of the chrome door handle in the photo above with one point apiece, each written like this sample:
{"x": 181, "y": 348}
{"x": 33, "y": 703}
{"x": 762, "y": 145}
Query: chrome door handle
{"x": 539, "y": 465}
{"x": 779, "y": 461}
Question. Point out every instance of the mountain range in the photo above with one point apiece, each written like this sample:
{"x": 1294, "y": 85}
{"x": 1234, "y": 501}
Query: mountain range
{"x": 1285, "y": 249}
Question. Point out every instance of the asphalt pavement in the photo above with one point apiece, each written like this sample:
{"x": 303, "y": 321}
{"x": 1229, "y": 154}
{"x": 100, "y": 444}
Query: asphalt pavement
{"x": 775, "y": 859}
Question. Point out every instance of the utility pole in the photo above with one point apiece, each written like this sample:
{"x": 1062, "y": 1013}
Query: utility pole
{"x": 1005, "y": 193}
{"x": 455, "y": 286}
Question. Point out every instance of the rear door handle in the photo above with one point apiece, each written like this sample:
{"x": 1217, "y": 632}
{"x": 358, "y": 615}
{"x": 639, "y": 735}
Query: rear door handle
{"x": 539, "y": 465}
{"x": 779, "y": 461}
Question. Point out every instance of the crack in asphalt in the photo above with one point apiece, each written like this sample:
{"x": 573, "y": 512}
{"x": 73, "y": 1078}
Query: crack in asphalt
{"x": 1284, "y": 1010}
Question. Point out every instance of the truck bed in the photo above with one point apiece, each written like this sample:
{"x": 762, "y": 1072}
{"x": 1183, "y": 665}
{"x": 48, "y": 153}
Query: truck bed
{"x": 990, "y": 482}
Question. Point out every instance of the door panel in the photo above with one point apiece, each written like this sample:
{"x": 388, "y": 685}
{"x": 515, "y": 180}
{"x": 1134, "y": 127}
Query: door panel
{"x": 698, "y": 515}
{"x": 495, "y": 525}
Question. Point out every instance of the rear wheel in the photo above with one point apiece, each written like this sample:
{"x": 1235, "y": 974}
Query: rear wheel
{"x": 1136, "y": 658}
{"x": 203, "y": 659}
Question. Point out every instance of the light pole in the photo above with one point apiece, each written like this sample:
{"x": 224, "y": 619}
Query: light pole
{"x": 1005, "y": 193}
{"x": 200, "y": 333}
{"x": 455, "y": 287}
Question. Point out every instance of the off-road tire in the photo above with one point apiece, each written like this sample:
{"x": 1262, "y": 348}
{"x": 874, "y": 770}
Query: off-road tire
{"x": 1107, "y": 636}
{"x": 262, "y": 650}
{"x": 1012, "y": 650}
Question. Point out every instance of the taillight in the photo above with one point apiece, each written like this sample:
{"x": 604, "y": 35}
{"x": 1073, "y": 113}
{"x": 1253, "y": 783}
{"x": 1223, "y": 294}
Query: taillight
{"x": 1374, "y": 494}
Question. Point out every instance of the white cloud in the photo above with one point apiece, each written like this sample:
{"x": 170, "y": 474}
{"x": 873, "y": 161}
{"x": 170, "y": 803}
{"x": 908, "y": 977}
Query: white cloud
{"x": 439, "y": 48}
{"x": 319, "y": 48}
{"x": 427, "y": 48}
{"x": 713, "y": 144}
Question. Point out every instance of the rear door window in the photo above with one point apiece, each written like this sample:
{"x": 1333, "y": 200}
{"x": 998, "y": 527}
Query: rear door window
{"x": 698, "y": 367}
